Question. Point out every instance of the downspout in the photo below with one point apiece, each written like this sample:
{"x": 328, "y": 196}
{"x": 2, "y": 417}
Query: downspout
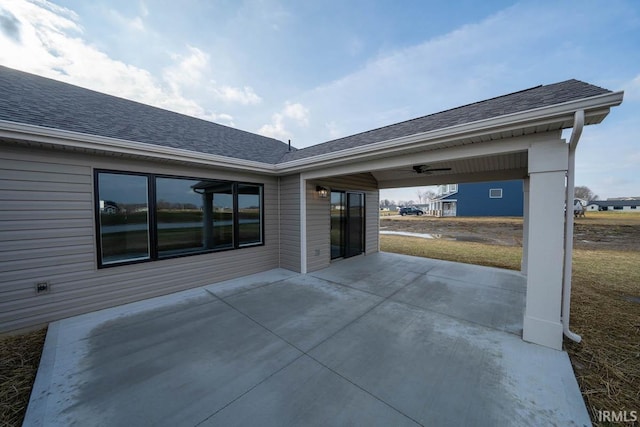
{"x": 578, "y": 124}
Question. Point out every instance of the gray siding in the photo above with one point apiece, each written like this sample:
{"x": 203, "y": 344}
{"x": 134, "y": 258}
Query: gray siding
{"x": 47, "y": 234}
{"x": 319, "y": 221}
{"x": 290, "y": 222}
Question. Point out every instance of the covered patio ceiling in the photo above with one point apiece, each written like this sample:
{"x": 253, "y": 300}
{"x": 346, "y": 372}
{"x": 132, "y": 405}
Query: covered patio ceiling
{"x": 488, "y": 168}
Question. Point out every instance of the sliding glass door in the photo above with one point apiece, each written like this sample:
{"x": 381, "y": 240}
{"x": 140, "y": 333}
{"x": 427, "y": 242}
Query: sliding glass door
{"x": 338, "y": 223}
{"x": 347, "y": 224}
{"x": 355, "y": 225}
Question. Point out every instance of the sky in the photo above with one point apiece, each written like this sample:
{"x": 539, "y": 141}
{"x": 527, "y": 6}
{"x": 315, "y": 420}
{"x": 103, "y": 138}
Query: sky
{"x": 313, "y": 71}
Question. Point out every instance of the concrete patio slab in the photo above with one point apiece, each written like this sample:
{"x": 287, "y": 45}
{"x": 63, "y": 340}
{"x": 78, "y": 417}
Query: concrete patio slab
{"x": 306, "y": 393}
{"x": 243, "y": 284}
{"x": 304, "y": 310}
{"x": 330, "y": 348}
{"x": 495, "y": 307}
{"x": 441, "y": 371}
{"x": 171, "y": 364}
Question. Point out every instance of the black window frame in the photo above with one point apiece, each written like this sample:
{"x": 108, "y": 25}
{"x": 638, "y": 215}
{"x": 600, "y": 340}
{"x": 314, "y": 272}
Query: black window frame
{"x": 153, "y": 220}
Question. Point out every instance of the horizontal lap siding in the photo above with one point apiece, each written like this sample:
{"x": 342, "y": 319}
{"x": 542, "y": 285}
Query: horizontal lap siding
{"x": 47, "y": 234}
{"x": 319, "y": 217}
{"x": 318, "y": 229}
{"x": 290, "y": 222}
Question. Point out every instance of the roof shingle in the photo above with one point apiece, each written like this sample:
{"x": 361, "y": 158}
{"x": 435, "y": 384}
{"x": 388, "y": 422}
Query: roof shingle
{"x": 35, "y": 100}
{"x": 529, "y": 99}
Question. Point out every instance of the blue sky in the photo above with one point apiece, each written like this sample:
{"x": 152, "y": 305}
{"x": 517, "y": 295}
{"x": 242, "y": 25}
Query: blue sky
{"x": 312, "y": 71}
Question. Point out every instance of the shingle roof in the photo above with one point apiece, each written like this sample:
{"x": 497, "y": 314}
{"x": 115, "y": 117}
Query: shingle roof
{"x": 536, "y": 97}
{"x": 35, "y": 100}
{"x": 31, "y": 99}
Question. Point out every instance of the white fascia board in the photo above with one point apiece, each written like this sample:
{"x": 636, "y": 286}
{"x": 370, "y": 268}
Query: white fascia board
{"x": 539, "y": 116}
{"x": 63, "y": 138}
{"x": 392, "y": 161}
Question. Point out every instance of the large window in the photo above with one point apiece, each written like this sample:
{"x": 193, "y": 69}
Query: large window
{"x": 123, "y": 217}
{"x": 146, "y": 217}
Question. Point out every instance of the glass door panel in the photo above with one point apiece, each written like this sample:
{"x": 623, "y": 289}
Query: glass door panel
{"x": 355, "y": 225}
{"x": 338, "y": 224}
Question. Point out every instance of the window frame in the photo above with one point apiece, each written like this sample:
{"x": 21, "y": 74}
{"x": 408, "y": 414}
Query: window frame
{"x": 153, "y": 220}
{"x": 495, "y": 189}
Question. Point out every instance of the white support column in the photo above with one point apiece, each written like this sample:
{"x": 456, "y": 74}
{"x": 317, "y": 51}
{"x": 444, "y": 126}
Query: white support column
{"x": 545, "y": 243}
{"x": 525, "y": 226}
{"x": 303, "y": 224}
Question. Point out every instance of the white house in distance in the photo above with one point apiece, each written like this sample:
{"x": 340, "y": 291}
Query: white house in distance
{"x": 623, "y": 204}
{"x": 193, "y": 203}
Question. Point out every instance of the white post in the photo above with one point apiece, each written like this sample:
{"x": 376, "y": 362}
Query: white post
{"x": 545, "y": 243}
{"x": 303, "y": 225}
{"x": 525, "y": 226}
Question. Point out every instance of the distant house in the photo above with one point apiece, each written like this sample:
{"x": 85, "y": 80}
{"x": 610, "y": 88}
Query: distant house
{"x": 629, "y": 204}
{"x": 495, "y": 198}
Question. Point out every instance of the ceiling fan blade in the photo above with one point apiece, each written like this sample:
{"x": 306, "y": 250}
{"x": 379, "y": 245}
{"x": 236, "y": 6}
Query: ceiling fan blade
{"x": 438, "y": 169}
{"x": 427, "y": 169}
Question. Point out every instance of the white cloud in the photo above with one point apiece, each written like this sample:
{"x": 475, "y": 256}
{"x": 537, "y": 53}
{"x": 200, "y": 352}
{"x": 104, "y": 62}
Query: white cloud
{"x": 334, "y": 130}
{"x": 244, "y": 96}
{"x": 188, "y": 70}
{"x": 53, "y": 37}
{"x": 632, "y": 89}
{"x": 136, "y": 23}
{"x": 144, "y": 9}
{"x": 292, "y": 114}
{"x": 192, "y": 71}
{"x": 297, "y": 112}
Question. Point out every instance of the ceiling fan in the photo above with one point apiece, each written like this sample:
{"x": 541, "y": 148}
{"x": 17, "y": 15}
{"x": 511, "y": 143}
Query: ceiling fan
{"x": 427, "y": 170}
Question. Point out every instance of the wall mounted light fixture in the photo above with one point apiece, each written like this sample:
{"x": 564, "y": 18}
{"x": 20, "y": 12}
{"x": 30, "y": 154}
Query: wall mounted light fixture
{"x": 323, "y": 192}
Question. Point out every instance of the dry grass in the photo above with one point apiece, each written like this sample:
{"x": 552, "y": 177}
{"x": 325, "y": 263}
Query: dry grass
{"x": 605, "y": 311}
{"x": 467, "y": 252}
{"x": 19, "y": 359}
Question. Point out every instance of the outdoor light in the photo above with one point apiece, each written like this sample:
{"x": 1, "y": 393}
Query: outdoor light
{"x": 323, "y": 193}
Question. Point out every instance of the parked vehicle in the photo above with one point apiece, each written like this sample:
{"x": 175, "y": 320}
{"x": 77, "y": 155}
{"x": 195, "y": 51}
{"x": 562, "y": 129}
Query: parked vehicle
{"x": 412, "y": 210}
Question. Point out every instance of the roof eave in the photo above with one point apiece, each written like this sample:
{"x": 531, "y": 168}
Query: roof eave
{"x": 87, "y": 142}
{"x": 596, "y": 109}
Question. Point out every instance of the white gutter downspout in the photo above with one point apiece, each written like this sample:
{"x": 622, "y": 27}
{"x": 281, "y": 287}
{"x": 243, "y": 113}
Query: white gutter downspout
{"x": 578, "y": 124}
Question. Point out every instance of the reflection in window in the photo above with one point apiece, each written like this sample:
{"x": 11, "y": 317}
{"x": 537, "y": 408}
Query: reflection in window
{"x": 193, "y": 215}
{"x": 124, "y": 217}
{"x": 338, "y": 223}
{"x": 223, "y": 216}
{"x": 179, "y": 211}
{"x": 249, "y": 214}
{"x": 217, "y": 199}
{"x": 144, "y": 216}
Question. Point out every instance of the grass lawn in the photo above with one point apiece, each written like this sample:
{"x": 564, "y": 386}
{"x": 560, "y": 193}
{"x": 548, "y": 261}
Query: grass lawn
{"x": 605, "y": 309}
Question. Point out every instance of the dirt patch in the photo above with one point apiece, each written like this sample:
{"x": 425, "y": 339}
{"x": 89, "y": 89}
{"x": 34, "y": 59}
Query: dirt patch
{"x": 589, "y": 233}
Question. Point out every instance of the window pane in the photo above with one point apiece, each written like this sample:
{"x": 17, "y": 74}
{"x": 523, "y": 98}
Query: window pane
{"x": 249, "y": 214}
{"x": 193, "y": 215}
{"x": 124, "y": 217}
{"x": 337, "y": 224}
{"x": 222, "y": 230}
{"x": 180, "y": 213}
